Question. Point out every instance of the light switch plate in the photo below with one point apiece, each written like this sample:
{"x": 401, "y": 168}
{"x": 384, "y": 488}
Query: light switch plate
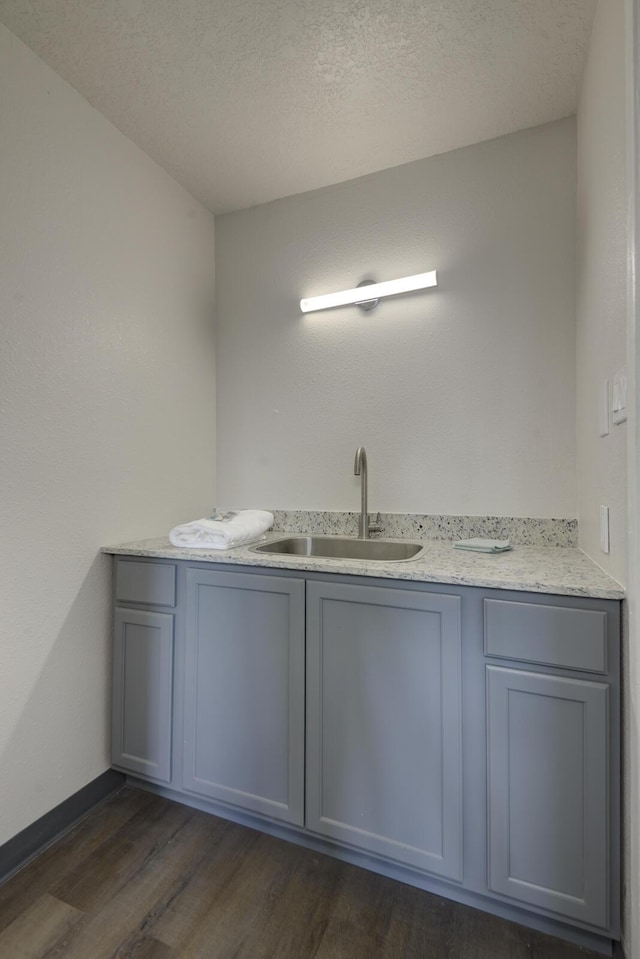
{"x": 604, "y": 529}
{"x": 619, "y": 397}
{"x": 603, "y": 409}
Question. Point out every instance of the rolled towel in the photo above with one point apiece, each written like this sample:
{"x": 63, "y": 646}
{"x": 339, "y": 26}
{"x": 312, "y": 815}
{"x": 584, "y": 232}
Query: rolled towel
{"x": 235, "y": 529}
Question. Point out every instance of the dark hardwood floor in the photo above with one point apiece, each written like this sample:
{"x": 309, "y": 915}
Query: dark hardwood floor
{"x": 145, "y": 878}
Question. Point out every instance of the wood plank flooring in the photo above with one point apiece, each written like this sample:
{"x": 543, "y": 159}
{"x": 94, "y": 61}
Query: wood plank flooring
{"x": 145, "y": 878}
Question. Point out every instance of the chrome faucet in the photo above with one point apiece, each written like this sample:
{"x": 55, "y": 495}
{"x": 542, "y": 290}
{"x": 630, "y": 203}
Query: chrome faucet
{"x": 360, "y": 469}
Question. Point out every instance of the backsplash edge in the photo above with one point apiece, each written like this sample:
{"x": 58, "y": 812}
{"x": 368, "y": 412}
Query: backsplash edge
{"x": 522, "y": 531}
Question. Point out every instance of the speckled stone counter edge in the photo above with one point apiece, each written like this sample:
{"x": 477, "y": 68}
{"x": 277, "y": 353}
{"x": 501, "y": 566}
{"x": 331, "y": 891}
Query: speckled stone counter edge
{"x": 522, "y": 531}
{"x": 536, "y": 569}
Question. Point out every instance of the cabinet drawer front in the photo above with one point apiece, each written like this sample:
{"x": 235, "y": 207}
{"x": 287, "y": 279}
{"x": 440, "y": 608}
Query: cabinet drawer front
{"x": 153, "y": 584}
{"x": 549, "y": 635}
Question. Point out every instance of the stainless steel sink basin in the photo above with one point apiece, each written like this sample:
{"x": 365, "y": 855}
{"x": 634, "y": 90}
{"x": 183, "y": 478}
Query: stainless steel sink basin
{"x": 336, "y": 547}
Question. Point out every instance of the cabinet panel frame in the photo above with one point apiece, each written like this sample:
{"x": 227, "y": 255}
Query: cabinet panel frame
{"x": 163, "y": 625}
{"x": 449, "y": 864}
{"x": 593, "y": 907}
{"x": 292, "y": 810}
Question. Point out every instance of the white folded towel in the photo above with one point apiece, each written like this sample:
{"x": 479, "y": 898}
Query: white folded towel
{"x": 479, "y": 545}
{"x": 234, "y": 529}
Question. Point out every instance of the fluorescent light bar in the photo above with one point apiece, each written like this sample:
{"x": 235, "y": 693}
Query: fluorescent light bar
{"x": 360, "y": 294}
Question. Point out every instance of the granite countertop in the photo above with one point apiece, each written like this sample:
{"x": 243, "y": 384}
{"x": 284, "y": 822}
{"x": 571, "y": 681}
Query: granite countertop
{"x": 565, "y": 571}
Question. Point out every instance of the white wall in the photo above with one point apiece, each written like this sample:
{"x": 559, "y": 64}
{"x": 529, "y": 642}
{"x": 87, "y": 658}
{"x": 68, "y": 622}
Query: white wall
{"x": 106, "y": 410}
{"x": 601, "y": 285}
{"x": 463, "y": 396}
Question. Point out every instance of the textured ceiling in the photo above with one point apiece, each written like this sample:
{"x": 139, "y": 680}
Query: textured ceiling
{"x": 244, "y": 101}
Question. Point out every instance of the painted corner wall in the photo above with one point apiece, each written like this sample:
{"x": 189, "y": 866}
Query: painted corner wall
{"x": 464, "y": 396}
{"x": 631, "y": 632}
{"x": 602, "y": 285}
{"x": 602, "y": 239}
{"x": 631, "y": 659}
{"x": 106, "y": 398}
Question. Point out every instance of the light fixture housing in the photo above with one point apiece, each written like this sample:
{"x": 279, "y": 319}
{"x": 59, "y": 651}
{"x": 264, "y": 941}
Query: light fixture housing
{"x": 375, "y": 291}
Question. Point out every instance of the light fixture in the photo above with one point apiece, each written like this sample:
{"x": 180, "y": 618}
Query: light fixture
{"x": 406, "y": 284}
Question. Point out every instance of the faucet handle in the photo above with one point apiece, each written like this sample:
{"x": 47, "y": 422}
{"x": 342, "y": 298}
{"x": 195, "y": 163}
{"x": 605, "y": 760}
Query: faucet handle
{"x": 376, "y": 526}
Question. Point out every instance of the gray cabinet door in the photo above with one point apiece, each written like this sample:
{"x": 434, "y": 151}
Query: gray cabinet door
{"x": 244, "y": 691}
{"x": 142, "y": 692}
{"x": 384, "y": 724}
{"x": 548, "y": 780}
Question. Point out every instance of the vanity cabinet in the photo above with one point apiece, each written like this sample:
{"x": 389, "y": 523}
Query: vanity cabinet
{"x": 244, "y": 691}
{"x": 141, "y": 723}
{"x": 549, "y": 759}
{"x": 384, "y": 746}
{"x": 463, "y": 739}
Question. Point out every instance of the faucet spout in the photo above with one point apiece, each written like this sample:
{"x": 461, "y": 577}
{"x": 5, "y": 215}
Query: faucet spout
{"x": 360, "y": 469}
